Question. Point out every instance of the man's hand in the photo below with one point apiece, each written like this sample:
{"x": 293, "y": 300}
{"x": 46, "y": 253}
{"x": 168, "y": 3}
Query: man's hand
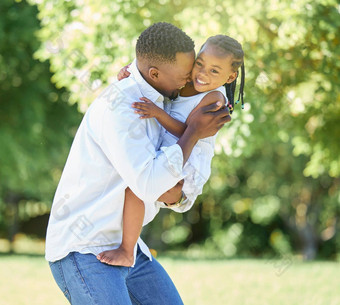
{"x": 173, "y": 194}
{"x": 208, "y": 120}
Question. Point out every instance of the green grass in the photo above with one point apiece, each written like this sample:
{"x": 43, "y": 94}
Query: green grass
{"x": 27, "y": 279}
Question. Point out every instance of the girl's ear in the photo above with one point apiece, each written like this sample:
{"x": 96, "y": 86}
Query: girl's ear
{"x": 232, "y": 77}
{"x": 153, "y": 73}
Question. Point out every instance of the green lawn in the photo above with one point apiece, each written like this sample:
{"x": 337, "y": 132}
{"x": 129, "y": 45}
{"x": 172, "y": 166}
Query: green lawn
{"x": 27, "y": 280}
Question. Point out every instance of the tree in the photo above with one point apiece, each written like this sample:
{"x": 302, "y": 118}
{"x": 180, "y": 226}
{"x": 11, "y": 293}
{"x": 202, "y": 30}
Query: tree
{"x": 37, "y": 124}
{"x": 286, "y": 146}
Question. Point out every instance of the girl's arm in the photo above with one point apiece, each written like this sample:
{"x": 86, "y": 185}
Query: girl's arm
{"x": 148, "y": 109}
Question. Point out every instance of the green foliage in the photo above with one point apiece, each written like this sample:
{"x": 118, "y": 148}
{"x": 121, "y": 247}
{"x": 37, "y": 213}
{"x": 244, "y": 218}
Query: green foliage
{"x": 291, "y": 51}
{"x": 87, "y": 43}
{"x": 37, "y": 124}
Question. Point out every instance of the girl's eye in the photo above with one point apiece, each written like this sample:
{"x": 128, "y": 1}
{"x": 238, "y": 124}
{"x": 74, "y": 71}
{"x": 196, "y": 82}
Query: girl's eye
{"x": 198, "y": 63}
{"x": 214, "y": 71}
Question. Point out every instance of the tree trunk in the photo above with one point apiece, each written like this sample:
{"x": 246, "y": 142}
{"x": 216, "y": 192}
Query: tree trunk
{"x": 12, "y": 201}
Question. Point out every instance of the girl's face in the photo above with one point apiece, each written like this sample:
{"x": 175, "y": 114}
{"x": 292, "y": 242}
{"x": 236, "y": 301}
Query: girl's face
{"x": 212, "y": 69}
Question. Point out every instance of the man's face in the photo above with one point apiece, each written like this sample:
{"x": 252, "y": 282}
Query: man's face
{"x": 173, "y": 76}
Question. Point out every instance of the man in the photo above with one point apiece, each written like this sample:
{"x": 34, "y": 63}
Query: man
{"x": 112, "y": 150}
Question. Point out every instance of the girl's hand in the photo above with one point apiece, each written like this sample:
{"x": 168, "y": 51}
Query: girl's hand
{"x": 146, "y": 109}
{"x": 123, "y": 73}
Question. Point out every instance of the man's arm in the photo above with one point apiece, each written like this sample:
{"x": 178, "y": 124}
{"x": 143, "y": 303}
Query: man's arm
{"x": 172, "y": 195}
{"x": 125, "y": 142}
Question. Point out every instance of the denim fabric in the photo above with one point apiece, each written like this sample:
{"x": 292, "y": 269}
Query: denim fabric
{"x": 86, "y": 281}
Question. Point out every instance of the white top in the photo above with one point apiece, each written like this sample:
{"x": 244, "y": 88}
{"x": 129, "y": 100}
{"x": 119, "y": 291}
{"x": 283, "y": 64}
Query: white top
{"x": 113, "y": 149}
{"x": 197, "y": 169}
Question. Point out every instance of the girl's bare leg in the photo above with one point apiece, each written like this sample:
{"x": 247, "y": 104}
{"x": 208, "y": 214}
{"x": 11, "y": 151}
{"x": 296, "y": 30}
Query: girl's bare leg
{"x": 133, "y": 216}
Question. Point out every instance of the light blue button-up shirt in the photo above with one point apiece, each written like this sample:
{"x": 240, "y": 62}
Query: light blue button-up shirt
{"x": 112, "y": 150}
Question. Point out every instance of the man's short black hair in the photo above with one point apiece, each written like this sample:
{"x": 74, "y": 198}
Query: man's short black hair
{"x": 161, "y": 41}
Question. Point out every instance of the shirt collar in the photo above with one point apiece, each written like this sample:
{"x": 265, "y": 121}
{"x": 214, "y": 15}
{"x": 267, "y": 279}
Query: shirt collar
{"x": 146, "y": 89}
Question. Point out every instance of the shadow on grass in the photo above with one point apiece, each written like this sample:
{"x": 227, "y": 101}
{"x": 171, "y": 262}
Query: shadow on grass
{"x": 269, "y": 259}
{"x": 23, "y": 254}
{"x": 183, "y": 256}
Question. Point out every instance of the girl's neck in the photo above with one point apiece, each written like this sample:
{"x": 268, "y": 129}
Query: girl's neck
{"x": 189, "y": 90}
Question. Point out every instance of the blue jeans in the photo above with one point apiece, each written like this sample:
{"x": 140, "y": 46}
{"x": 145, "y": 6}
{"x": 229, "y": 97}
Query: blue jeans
{"x": 84, "y": 280}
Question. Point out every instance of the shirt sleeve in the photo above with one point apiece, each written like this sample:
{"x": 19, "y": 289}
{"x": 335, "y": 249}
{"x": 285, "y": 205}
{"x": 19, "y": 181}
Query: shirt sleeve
{"x": 124, "y": 140}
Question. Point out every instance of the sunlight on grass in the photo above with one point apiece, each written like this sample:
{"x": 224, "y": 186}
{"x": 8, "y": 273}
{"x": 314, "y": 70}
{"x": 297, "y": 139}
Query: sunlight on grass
{"x": 27, "y": 279}
{"x": 255, "y": 282}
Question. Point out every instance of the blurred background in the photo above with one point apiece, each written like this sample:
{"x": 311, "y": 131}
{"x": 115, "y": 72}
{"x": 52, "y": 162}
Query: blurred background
{"x": 275, "y": 186}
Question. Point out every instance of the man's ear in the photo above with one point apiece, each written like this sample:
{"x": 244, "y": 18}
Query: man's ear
{"x": 153, "y": 73}
{"x": 231, "y": 78}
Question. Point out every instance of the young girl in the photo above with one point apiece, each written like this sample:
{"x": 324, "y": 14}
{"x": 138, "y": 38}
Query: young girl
{"x": 214, "y": 73}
